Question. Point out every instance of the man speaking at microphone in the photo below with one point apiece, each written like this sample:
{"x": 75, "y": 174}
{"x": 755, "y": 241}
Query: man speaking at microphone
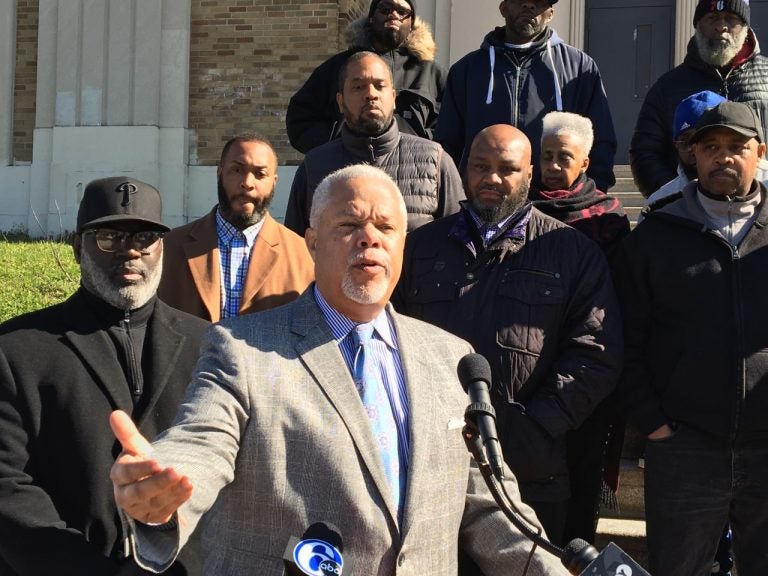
{"x": 333, "y": 408}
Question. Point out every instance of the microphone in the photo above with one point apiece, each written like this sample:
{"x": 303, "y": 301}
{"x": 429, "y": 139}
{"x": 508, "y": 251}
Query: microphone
{"x": 318, "y": 553}
{"x": 475, "y": 376}
{"x": 583, "y": 559}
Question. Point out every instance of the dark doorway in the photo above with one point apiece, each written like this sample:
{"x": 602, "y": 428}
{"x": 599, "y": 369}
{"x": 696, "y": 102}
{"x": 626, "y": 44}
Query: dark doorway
{"x": 758, "y": 10}
{"x": 632, "y": 43}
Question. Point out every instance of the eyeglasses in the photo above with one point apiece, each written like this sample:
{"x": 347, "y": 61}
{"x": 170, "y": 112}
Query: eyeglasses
{"x": 402, "y": 12}
{"x": 113, "y": 240}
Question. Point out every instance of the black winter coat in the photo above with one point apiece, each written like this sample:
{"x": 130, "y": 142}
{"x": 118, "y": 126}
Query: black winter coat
{"x": 313, "y": 117}
{"x": 540, "y": 306}
{"x": 695, "y": 323}
{"x": 652, "y": 152}
{"x": 59, "y": 382}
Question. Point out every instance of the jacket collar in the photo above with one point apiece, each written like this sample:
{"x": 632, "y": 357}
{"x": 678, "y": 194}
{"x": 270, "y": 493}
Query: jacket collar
{"x": 495, "y": 39}
{"x": 419, "y": 44}
{"x": 692, "y": 57}
{"x": 689, "y": 208}
{"x": 371, "y": 148}
{"x": 88, "y": 337}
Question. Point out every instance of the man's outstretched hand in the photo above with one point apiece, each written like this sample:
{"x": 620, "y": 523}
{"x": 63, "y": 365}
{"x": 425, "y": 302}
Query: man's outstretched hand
{"x": 145, "y": 491}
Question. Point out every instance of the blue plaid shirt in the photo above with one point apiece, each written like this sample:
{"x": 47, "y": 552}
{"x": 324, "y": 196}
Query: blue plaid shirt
{"x": 234, "y": 253}
{"x": 393, "y": 377}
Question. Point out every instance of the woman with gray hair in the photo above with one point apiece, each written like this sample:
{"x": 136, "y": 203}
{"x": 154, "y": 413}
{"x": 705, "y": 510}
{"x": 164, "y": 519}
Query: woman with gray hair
{"x": 565, "y": 192}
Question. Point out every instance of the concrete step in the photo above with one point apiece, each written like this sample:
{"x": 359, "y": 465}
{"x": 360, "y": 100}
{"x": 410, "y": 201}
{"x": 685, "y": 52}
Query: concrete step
{"x": 629, "y": 535}
{"x": 630, "y": 495}
{"x": 627, "y": 193}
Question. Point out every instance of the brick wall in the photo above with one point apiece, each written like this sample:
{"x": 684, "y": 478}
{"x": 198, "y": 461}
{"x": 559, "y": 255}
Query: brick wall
{"x": 247, "y": 59}
{"x": 25, "y": 81}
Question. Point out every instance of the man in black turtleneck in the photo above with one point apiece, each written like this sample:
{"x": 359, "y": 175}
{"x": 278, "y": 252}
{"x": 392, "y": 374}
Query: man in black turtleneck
{"x": 63, "y": 369}
{"x": 426, "y": 175}
{"x": 691, "y": 279}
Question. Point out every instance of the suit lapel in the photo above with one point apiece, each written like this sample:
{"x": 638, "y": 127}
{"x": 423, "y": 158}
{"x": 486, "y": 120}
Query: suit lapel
{"x": 97, "y": 352}
{"x": 422, "y": 424}
{"x": 201, "y": 249}
{"x": 320, "y": 353}
{"x": 263, "y": 258}
{"x": 166, "y": 346}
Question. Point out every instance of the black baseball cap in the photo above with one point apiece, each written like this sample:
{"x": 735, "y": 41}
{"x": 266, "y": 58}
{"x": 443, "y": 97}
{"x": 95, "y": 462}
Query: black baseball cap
{"x": 735, "y": 116}
{"x": 120, "y": 199}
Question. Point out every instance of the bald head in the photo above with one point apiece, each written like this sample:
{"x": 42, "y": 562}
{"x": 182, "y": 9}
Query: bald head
{"x": 498, "y": 172}
{"x": 502, "y": 137}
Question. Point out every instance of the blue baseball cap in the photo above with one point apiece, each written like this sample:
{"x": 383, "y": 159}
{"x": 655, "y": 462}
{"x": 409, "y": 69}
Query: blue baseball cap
{"x": 690, "y": 110}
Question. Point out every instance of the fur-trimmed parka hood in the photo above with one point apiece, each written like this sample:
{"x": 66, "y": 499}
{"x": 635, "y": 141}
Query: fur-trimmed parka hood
{"x": 420, "y": 41}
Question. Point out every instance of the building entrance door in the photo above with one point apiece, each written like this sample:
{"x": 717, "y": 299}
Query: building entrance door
{"x": 631, "y": 41}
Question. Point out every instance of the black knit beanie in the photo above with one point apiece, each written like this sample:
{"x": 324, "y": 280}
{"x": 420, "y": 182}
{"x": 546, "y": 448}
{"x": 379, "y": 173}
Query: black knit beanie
{"x": 738, "y": 7}
{"x": 375, "y": 3}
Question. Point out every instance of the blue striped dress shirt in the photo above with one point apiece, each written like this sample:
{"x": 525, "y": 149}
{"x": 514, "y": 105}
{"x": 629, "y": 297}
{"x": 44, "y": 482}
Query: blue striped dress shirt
{"x": 393, "y": 377}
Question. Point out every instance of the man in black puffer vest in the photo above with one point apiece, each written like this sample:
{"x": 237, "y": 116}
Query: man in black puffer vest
{"x": 723, "y": 57}
{"x": 426, "y": 175}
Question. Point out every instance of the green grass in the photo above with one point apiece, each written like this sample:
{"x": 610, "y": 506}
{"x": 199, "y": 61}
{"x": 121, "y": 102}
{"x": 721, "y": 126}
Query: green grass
{"x": 34, "y": 274}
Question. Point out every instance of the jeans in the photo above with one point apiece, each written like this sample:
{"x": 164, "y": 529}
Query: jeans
{"x": 694, "y": 485}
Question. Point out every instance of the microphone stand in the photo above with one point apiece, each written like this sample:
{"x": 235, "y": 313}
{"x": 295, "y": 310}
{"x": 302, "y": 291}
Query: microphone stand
{"x": 474, "y": 445}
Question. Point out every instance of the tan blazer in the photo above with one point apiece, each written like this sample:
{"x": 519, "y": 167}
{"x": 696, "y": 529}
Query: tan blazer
{"x": 274, "y": 438}
{"x": 279, "y": 270}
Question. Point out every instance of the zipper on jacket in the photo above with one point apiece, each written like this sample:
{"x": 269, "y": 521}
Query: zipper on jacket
{"x": 372, "y": 153}
{"x": 740, "y": 353}
{"x": 741, "y": 387}
{"x": 134, "y": 371}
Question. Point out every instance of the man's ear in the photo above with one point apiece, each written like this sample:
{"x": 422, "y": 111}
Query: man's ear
{"x": 77, "y": 246}
{"x": 503, "y": 8}
{"x": 761, "y": 150}
{"x": 218, "y": 171}
{"x": 339, "y": 101}
{"x": 310, "y": 239}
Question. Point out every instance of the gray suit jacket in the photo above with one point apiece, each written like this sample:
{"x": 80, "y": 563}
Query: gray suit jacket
{"x": 274, "y": 438}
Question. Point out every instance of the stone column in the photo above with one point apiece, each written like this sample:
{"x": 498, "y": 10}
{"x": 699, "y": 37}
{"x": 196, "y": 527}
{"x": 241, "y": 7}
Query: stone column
{"x": 7, "y": 67}
{"x": 112, "y": 98}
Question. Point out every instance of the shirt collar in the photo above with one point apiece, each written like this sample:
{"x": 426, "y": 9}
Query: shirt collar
{"x": 227, "y": 233}
{"x": 341, "y": 326}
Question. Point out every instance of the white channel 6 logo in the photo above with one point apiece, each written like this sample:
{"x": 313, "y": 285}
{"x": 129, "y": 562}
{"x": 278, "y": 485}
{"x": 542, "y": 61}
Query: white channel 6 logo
{"x": 318, "y": 558}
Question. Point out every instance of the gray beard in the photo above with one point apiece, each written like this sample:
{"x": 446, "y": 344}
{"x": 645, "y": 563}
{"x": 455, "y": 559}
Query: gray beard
{"x": 363, "y": 294}
{"x": 130, "y": 297}
{"x": 720, "y": 52}
{"x": 360, "y": 293}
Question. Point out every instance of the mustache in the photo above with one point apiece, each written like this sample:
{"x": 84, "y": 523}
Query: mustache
{"x": 727, "y": 171}
{"x": 362, "y": 258}
{"x": 131, "y": 268}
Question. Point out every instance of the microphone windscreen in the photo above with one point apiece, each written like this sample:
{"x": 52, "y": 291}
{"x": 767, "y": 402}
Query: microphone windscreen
{"x": 326, "y": 532}
{"x": 577, "y": 555}
{"x": 473, "y": 367}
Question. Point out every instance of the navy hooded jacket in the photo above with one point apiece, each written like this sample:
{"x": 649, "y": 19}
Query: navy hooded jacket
{"x": 501, "y": 85}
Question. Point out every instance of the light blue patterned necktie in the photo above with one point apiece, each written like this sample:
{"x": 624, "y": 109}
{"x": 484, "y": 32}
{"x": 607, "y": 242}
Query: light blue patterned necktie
{"x": 370, "y": 386}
